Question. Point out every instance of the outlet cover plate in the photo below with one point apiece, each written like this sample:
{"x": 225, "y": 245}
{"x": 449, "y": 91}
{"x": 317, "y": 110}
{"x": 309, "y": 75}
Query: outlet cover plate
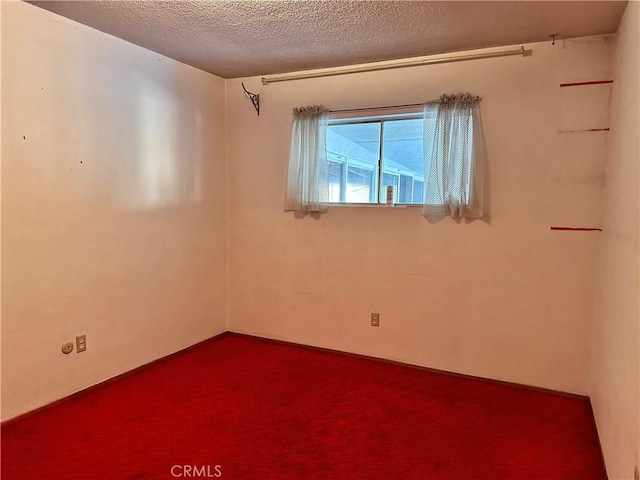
{"x": 81, "y": 343}
{"x": 375, "y": 319}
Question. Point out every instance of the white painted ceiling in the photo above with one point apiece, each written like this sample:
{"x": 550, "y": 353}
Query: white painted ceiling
{"x": 238, "y": 38}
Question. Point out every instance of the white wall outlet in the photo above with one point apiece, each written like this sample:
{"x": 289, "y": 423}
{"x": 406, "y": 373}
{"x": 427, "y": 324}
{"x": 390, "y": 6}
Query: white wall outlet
{"x": 375, "y": 319}
{"x": 81, "y": 343}
{"x": 67, "y": 348}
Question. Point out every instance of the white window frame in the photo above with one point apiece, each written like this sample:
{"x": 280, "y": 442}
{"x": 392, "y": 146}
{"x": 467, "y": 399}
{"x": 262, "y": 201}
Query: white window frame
{"x": 378, "y": 170}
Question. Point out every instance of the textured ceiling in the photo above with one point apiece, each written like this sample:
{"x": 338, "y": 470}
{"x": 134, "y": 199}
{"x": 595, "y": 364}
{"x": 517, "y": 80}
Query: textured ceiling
{"x": 257, "y": 37}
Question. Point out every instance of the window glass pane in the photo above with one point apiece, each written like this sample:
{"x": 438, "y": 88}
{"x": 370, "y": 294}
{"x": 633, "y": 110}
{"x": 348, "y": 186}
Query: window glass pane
{"x": 357, "y": 147}
{"x": 353, "y": 150}
{"x": 418, "y": 192}
{"x": 359, "y": 185}
{"x": 389, "y": 179}
{"x": 335, "y": 181}
{"x": 406, "y": 189}
{"x": 402, "y": 155}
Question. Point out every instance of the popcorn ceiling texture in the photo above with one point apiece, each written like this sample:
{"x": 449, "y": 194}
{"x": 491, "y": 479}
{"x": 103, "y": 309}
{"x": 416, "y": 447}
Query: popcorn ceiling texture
{"x": 246, "y": 38}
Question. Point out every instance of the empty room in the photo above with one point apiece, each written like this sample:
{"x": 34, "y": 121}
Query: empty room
{"x": 338, "y": 239}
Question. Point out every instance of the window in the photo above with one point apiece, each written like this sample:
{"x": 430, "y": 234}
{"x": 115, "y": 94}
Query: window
{"x": 434, "y": 159}
{"x": 367, "y": 154}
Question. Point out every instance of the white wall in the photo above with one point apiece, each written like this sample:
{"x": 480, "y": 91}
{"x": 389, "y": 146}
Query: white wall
{"x": 616, "y": 350}
{"x": 506, "y": 298}
{"x": 113, "y": 206}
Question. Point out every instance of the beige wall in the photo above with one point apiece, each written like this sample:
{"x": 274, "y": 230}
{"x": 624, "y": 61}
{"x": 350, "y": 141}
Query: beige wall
{"x": 506, "y": 298}
{"x": 113, "y": 206}
{"x": 616, "y": 352}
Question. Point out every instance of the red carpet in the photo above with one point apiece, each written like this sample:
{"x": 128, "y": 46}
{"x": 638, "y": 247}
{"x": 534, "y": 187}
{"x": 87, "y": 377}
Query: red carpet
{"x": 252, "y": 409}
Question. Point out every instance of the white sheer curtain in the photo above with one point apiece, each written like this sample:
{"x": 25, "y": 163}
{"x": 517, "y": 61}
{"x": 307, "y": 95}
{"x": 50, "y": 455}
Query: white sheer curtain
{"x": 307, "y": 189}
{"x": 454, "y": 162}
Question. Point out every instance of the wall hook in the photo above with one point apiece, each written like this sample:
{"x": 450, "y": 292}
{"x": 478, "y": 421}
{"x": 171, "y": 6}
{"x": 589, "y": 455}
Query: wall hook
{"x": 553, "y": 38}
{"x": 255, "y": 99}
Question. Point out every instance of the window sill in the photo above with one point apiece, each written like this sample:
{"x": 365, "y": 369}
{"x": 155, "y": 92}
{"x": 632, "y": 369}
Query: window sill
{"x": 373, "y": 205}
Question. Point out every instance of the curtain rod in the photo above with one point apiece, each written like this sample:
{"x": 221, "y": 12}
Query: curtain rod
{"x": 388, "y": 66}
{"x": 385, "y": 107}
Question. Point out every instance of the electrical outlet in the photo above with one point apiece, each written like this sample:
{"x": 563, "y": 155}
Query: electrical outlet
{"x": 636, "y": 473}
{"x": 67, "y": 348}
{"x": 375, "y": 319}
{"x": 81, "y": 343}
